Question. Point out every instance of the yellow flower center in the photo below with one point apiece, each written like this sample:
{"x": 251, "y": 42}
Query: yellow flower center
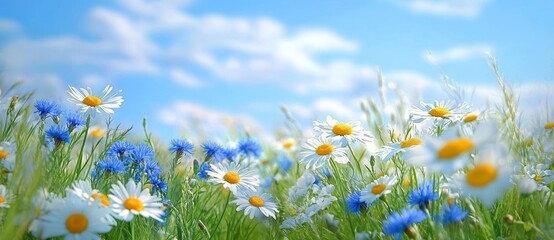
{"x": 324, "y": 149}
{"x": 92, "y": 101}
{"x": 97, "y": 132}
{"x": 481, "y": 175}
{"x": 454, "y": 148}
{"x": 379, "y": 188}
{"x": 439, "y": 112}
{"x": 538, "y": 178}
{"x": 529, "y": 142}
{"x": 76, "y": 223}
{"x": 134, "y": 203}
{"x": 232, "y": 177}
{"x": 410, "y": 142}
{"x": 265, "y": 161}
{"x": 288, "y": 144}
{"x": 103, "y": 198}
{"x": 450, "y": 201}
{"x": 470, "y": 117}
{"x": 342, "y": 129}
{"x": 3, "y": 154}
{"x": 549, "y": 125}
{"x": 256, "y": 201}
{"x": 406, "y": 182}
{"x": 2, "y": 199}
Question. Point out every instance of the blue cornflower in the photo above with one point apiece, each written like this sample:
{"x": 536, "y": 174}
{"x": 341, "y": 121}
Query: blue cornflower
{"x": 397, "y": 223}
{"x": 230, "y": 153}
{"x": 158, "y": 184}
{"x": 213, "y": 151}
{"x": 152, "y": 169}
{"x": 423, "y": 195}
{"x": 112, "y": 165}
{"x": 142, "y": 153}
{"x": 47, "y": 109}
{"x": 284, "y": 163}
{"x": 203, "y": 172}
{"x": 249, "y": 147}
{"x": 74, "y": 119}
{"x": 58, "y": 134}
{"x": 354, "y": 204}
{"x": 452, "y": 213}
{"x": 121, "y": 149}
{"x": 180, "y": 147}
{"x": 266, "y": 183}
{"x": 316, "y": 179}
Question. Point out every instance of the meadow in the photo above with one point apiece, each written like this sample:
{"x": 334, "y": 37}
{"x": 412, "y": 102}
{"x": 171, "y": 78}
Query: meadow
{"x": 441, "y": 170}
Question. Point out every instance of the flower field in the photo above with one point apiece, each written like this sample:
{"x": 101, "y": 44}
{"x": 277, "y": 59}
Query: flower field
{"x": 441, "y": 170}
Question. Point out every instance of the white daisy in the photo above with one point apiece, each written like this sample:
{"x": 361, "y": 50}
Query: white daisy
{"x": 41, "y": 204}
{"x": 75, "y": 218}
{"x": 286, "y": 145}
{"x": 489, "y": 177}
{"x": 233, "y": 176}
{"x": 5, "y": 197}
{"x": 344, "y": 132}
{"x": 316, "y": 152}
{"x": 378, "y": 188}
{"x": 130, "y": 200}
{"x": 84, "y": 190}
{"x": 450, "y": 152}
{"x": 255, "y": 204}
{"x": 388, "y": 151}
{"x": 87, "y": 100}
{"x": 540, "y": 174}
{"x": 440, "y": 112}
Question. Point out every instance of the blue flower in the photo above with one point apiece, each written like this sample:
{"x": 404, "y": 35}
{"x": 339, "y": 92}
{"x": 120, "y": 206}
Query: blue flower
{"x": 152, "y": 169}
{"x": 284, "y": 164}
{"x": 58, "y": 135}
{"x": 213, "y": 151}
{"x": 230, "y": 153}
{"x": 423, "y": 195}
{"x": 142, "y": 153}
{"x": 121, "y": 149}
{"x": 158, "y": 185}
{"x": 316, "y": 179}
{"x": 180, "y": 147}
{"x": 354, "y": 204}
{"x": 47, "y": 109}
{"x": 74, "y": 119}
{"x": 112, "y": 165}
{"x": 452, "y": 214}
{"x": 203, "y": 173}
{"x": 267, "y": 182}
{"x": 249, "y": 147}
{"x": 397, "y": 223}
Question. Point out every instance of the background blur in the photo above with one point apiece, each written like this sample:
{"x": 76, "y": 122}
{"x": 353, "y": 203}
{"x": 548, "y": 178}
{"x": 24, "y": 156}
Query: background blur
{"x": 192, "y": 65}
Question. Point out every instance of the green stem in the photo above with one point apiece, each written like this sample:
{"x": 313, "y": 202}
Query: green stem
{"x": 222, "y": 214}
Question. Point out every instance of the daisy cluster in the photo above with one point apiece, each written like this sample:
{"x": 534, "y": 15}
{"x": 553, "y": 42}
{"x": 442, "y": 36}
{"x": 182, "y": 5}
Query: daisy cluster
{"x": 440, "y": 170}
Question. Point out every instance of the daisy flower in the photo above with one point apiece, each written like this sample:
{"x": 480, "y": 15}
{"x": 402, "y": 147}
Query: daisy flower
{"x": 256, "y": 204}
{"x": 5, "y": 196}
{"x": 130, "y": 200}
{"x": 398, "y": 223}
{"x": 540, "y": 173}
{"x": 316, "y": 152}
{"x": 84, "y": 190}
{"x": 7, "y": 151}
{"x": 387, "y": 152}
{"x": 96, "y": 132}
{"x": 378, "y": 188}
{"x": 343, "y": 132}
{"x": 450, "y": 152}
{"x": 287, "y": 145}
{"x": 489, "y": 177}
{"x": 85, "y": 99}
{"x": 233, "y": 176}
{"x": 439, "y": 112}
{"x": 75, "y": 218}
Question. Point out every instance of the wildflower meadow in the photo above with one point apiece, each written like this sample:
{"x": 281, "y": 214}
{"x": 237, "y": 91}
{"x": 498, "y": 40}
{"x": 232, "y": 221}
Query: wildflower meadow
{"x": 408, "y": 170}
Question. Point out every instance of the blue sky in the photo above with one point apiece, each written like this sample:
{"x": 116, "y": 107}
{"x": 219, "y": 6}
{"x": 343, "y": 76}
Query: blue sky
{"x": 220, "y": 61}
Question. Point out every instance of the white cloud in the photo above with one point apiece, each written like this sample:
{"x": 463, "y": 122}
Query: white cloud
{"x": 202, "y": 120}
{"x": 458, "y": 53}
{"x": 448, "y": 8}
{"x": 185, "y": 79}
{"x": 9, "y": 26}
